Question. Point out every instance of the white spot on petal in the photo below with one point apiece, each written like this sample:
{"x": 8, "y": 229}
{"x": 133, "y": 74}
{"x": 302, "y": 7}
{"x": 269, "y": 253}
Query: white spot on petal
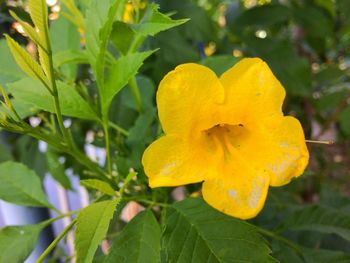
{"x": 256, "y": 193}
{"x": 167, "y": 169}
{"x": 232, "y": 193}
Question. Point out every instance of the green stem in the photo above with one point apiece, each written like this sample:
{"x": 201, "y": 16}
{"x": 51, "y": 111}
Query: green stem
{"x": 60, "y": 118}
{"x": 51, "y": 220}
{"x": 152, "y": 203}
{"x": 136, "y": 93}
{"x": 126, "y": 182}
{"x": 118, "y": 128}
{"x": 72, "y": 151}
{"x": 55, "y": 242}
{"x": 136, "y": 43}
{"x": 84, "y": 160}
{"x": 108, "y": 146}
{"x": 56, "y": 210}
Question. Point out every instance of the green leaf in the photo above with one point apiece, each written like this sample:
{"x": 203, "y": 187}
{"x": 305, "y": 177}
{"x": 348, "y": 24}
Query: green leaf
{"x": 72, "y": 104}
{"x": 147, "y": 92}
{"x": 320, "y": 219}
{"x": 25, "y": 61}
{"x": 219, "y": 64}
{"x": 70, "y": 56}
{"x": 122, "y": 36}
{"x": 96, "y": 16}
{"x": 65, "y": 38}
{"x": 154, "y": 22}
{"x": 325, "y": 256}
{"x": 17, "y": 242}
{"x": 116, "y": 8}
{"x": 33, "y": 35}
{"x": 139, "y": 241}
{"x": 293, "y": 71}
{"x": 56, "y": 169}
{"x": 92, "y": 226}
{"x": 328, "y": 5}
{"x": 119, "y": 75}
{"x": 98, "y": 185}
{"x": 21, "y": 186}
{"x": 260, "y": 17}
{"x": 140, "y": 135}
{"x": 9, "y": 70}
{"x": 195, "y": 232}
{"x": 39, "y": 15}
{"x": 315, "y": 22}
{"x": 344, "y": 120}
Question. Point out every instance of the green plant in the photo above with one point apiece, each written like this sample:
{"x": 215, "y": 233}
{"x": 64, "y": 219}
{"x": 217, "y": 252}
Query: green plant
{"x": 87, "y": 72}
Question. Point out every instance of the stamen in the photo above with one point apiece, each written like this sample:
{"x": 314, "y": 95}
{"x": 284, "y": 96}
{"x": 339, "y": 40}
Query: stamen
{"x": 320, "y": 142}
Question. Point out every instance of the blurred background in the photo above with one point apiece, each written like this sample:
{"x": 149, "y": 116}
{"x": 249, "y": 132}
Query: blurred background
{"x": 305, "y": 42}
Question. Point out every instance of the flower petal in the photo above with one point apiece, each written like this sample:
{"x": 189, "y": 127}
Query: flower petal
{"x": 170, "y": 162}
{"x": 275, "y": 146}
{"x": 287, "y": 155}
{"x": 251, "y": 92}
{"x": 240, "y": 191}
{"x": 187, "y": 99}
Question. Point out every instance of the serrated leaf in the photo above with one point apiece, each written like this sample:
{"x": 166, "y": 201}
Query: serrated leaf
{"x": 122, "y": 36}
{"x": 98, "y": 185}
{"x": 119, "y": 75}
{"x": 70, "y": 56}
{"x": 56, "y": 169}
{"x": 39, "y": 15}
{"x": 34, "y": 93}
{"x": 195, "y": 232}
{"x": 25, "y": 61}
{"x": 96, "y": 15}
{"x": 33, "y": 35}
{"x": 23, "y": 109}
{"x": 17, "y": 242}
{"x": 91, "y": 228}
{"x": 44, "y": 60}
{"x": 139, "y": 241}
{"x": 65, "y": 38}
{"x": 116, "y": 8}
{"x": 154, "y": 22}
{"x": 320, "y": 219}
{"x": 9, "y": 70}
{"x": 20, "y": 185}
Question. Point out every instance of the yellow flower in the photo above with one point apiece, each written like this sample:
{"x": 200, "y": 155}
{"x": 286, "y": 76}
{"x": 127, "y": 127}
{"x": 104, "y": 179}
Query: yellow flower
{"x": 128, "y": 13}
{"x": 229, "y": 132}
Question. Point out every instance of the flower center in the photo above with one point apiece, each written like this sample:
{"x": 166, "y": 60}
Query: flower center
{"x": 226, "y": 137}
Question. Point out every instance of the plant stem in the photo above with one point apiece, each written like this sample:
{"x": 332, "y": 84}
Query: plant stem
{"x": 136, "y": 93}
{"x": 60, "y": 118}
{"x": 55, "y": 242}
{"x": 127, "y": 180}
{"x": 152, "y": 203}
{"x": 108, "y": 146}
{"x": 118, "y": 128}
{"x": 51, "y": 220}
{"x": 136, "y": 43}
{"x": 72, "y": 151}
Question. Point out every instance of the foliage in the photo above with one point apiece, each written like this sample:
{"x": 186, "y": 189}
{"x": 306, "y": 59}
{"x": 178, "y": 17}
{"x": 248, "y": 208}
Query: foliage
{"x": 95, "y": 69}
